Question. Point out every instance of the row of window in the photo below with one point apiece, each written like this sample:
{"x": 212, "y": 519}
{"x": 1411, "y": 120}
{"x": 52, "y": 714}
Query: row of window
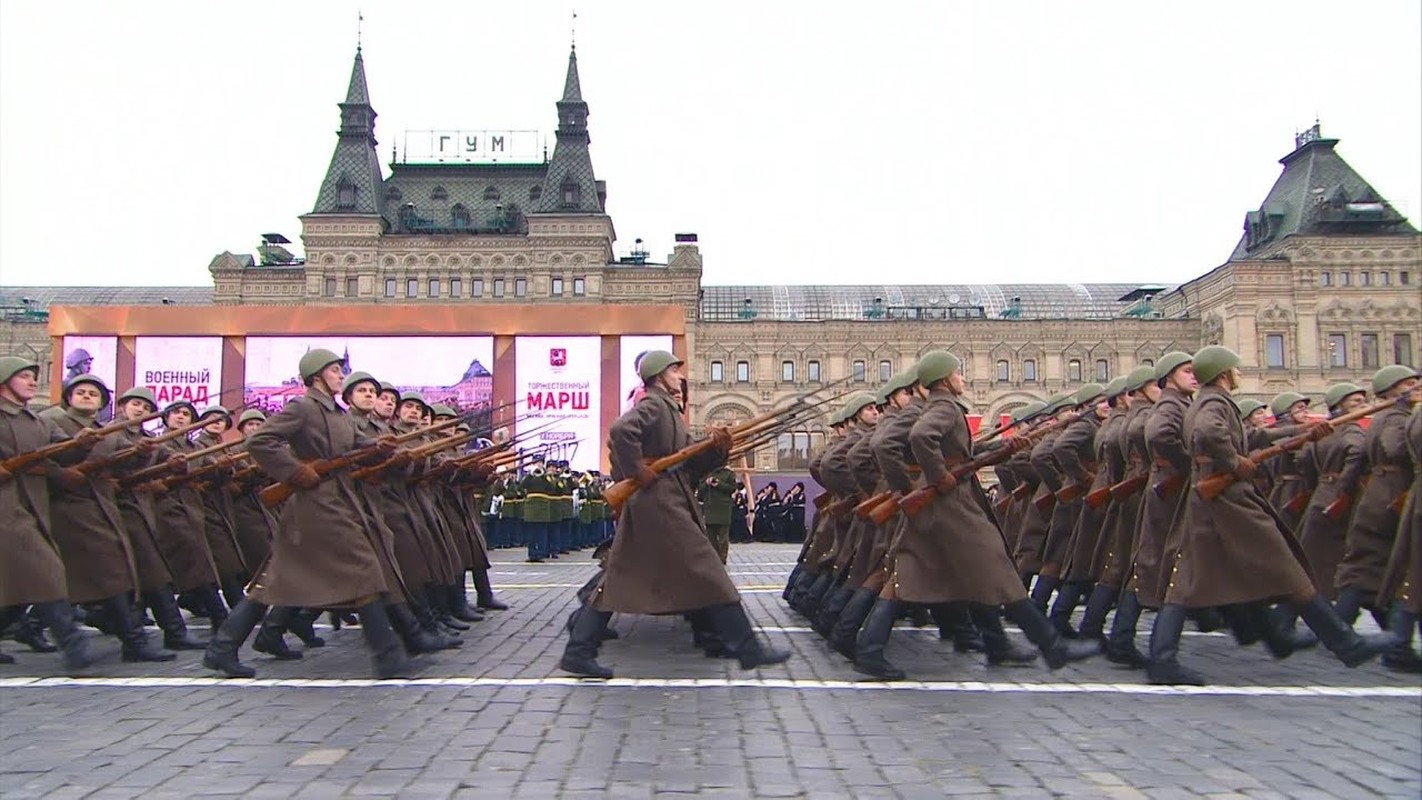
{"x": 1101, "y": 374}
{"x": 1365, "y": 278}
{"x": 813, "y": 372}
{"x": 436, "y": 287}
{"x": 1369, "y": 350}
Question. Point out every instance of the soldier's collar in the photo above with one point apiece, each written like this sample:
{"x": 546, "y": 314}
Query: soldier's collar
{"x": 13, "y": 408}
{"x": 321, "y": 397}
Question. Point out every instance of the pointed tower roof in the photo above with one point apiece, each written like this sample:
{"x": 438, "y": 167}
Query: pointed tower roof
{"x": 569, "y": 184}
{"x": 353, "y": 180}
{"x": 1317, "y": 194}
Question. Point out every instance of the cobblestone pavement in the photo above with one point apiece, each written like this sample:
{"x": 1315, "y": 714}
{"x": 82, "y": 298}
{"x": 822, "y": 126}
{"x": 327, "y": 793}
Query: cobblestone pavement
{"x": 496, "y": 719}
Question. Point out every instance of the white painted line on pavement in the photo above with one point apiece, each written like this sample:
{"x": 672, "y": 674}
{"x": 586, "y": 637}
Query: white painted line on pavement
{"x": 962, "y": 687}
{"x": 934, "y": 631}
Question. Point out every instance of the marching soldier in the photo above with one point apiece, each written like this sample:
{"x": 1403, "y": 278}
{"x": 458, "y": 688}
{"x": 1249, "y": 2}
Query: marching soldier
{"x": 1285, "y": 478}
{"x": 1037, "y": 519}
{"x": 661, "y": 561}
{"x": 839, "y": 470}
{"x": 324, "y": 554}
{"x": 1335, "y": 464}
{"x": 31, "y": 572}
{"x": 181, "y": 529}
{"x": 716, "y": 492}
{"x": 254, "y": 522}
{"x": 1402, "y": 582}
{"x": 1234, "y": 551}
{"x": 806, "y": 580}
{"x": 1074, "y": 455}
{"x": 232, "y": 572}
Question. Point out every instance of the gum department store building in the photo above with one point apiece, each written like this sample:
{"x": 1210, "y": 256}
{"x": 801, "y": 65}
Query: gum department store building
{"x": 1324, "y": 285}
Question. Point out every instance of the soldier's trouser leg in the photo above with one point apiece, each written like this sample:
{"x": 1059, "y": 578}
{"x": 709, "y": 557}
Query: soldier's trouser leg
{"x": 130, "y": 631}
{"x": 170, "y": 621}
{"x": 1056, "y": 650}
{"x": 1098, "y": 605}
{"x": 1338, "y": 636}
{"x": 720, "y": 536}
{"x": 1401, "y": 623}
{"x": 835, "y": 601}
{"x": 387, "y": 655}
{"x": 580, "y": 654}
{"x": 1068, "y": 597}
{"x": 537, "y": 533}
{"x": 58, "y": 615}
{"x": 1164, "y": 667}
{"x": 873, "y": 637}
{"x": 734, "y": 628}
{"x": 846, "y": 628}
{"x": 1121, "y": 643}
{"x": 1000, "y": 649}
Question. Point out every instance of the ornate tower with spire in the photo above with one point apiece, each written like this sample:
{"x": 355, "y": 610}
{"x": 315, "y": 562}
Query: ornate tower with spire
{"x": 570, "y": 185}
{"x": 353, "y": 178}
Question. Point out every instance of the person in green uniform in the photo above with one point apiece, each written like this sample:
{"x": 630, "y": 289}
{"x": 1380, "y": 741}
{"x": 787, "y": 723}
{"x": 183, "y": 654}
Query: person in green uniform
{"x": 716, "y": 493}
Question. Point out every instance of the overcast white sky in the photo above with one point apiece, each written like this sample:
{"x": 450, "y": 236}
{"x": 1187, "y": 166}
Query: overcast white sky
{"x": 898, "y": 142}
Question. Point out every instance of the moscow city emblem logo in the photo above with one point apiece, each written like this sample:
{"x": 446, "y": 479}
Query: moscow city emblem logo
{"x": 557, "y": 357}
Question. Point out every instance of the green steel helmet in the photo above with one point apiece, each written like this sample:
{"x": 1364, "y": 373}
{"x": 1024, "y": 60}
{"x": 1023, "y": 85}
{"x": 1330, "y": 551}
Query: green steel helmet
{"x": 899, "y": 382}
{"x": 1339, "y": 392}
{"x": 355, "y": 379}
{"x": 1214, "y": 361}
{"x": 1057, "y": 402}
{"x": 1283, "y": 401}
{"x": 654, "y": 363}
{"x": 1028, "y": 412}
{"x": 1116, "y": 387}
{"x": 10, "y": 366}
{"x": 316, "y": 360}
{"x": 855, "y": 404}
{"x": 836, "y": 418}
{"x": 416, "y": 396}
{"x": 93, "y": 380}
{"x": 935, "y": 365}
{"x": 216, "y": 410}
{"x": 442, "y": 410}
{"x": 1140, "y": 377}
{"x": 1247, "y": 407}
{"x": 1088, "y": 393}
{"x": 1170, "y": 362}
{"x": 387, "y": 386}
{"x": 1390, "y": 376}
{"x": 249, "y": 415}
{"x": 177, "y": 404}
{"x": 881, "y": 397}
{"x": 139, "y": 393}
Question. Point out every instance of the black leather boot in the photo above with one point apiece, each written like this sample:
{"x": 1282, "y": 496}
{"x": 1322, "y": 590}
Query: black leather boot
{"x": 580, "y": 654}
{"x": 439, "y": 605}
{"x": 484, "y": 592}
{"x": 1056, "y": 650}
{"x": 734, "y": 627}
{"x": 1245, "y": 622}
{"x": 303, "y": 625}
{"x": 417, "y": 640}
{"x": 846, "y": 628}
{"x": 810, "y": 606}
{"x": 58, "y": 615}
{"x": 170, "y": 621}
{"x": 30, "y": 633}
{"x": 1042, "y": 591}
{"x": 1281, "y": 633}
{"x": 1098, "y": 605}
{"x": 1401, "y": 623}
{"x": 1121, "y": 643}
{"x": 1339, "y": 638}
{"x": 790, "y": 581}
{"x": 271, "y": 637}
{"x": 1207, "y": 620}
{"x": 1350, "y": 601}
{"x": 233, "y": 590}
{"x": 213, "y": 607}
{"x": 957, "y": 625}
{"x": 136, "y": 646}
{"x": 1164, "y": 668}
{"x": 705, "y": 636}
{"x": 1000, "y": 649}
{"x": 6, "y": 659}
{"x": 459, "y": 603}
{"x": 431, "y": 626}
{"x": 831, "y": 609}
{"x": 221, "y": 654}
{"x": 873, "y": 637}
{"x": 387, "y": 656}
{"x": 801, "y": 589}
{"x": 1069, "y": 596}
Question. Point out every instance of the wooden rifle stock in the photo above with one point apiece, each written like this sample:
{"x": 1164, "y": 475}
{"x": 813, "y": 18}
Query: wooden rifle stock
{"x": 1022, "y": 491}
{"x": 1212, "y": 486}
{"x": 1299, "y": 502}
{"x": 1001, "y": 505}
{"x": 23, "y": 460}
{"x": 1399, "y": 502}
{"x": 863, "y": 509}
{"x": 886, "y": 510}
{"x": 1169, "y": 486}
{"x": 1129, "y": 486}
{"x": 914, "y": 501}
{"x": 1338, "y": 509}
{"x": 1069, "y": 493}
{"x": 821, "y": 500}
{"x": 277, "y": 493}
{"x": 1097, "y": 498}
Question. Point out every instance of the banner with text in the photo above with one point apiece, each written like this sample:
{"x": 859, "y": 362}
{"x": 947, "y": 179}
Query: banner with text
{"x": 560, "y": 378}
{"x": 632, "y": 348}
{"x": 93, "y": 355}
{"x": 180, "y": 368}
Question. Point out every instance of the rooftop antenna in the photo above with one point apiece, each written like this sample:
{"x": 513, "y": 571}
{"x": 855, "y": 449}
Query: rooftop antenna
{"x": 360, "y": 24}
{"x": 573, "y": 31}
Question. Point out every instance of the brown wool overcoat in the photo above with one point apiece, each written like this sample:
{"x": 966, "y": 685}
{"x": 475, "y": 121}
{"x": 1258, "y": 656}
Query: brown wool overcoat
{"x": 182, "y": 536}
{"x": 1374, "y": 526}
{"x": 1334, "y": 465}
{"x": 31, "y": 570}
{"x": 1081, "y": 562}
{"x": 1160, "y": 511}
{"x": 1402, "y": 580}
{"x": 140, "y": 520}
{"x": 1118, "y": 527}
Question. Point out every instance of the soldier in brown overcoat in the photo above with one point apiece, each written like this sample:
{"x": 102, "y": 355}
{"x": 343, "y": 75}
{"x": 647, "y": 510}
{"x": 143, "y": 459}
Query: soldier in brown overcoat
{"x": 952, "y": 551}
{"x": 1335, "y": 465}
{"x": 182, "y": 536}
{"x": 844, "y": 474}
{"x": 327, "y": 553}
{"x": 218, "y": 517}
{"x": 31, "y": 571}
{"x": 1374, "y": 525}
{"x": 1286, "y": 479}
{"x": 661, "y": 561}
{"x": 1087, "y": 464}
{"x": 88, "y": 527}
{"x": 815, "y": 578}
{"x": 255, "y": 524}
{"x": 1234, "y": 550}
{"x": 1402, "y": 581}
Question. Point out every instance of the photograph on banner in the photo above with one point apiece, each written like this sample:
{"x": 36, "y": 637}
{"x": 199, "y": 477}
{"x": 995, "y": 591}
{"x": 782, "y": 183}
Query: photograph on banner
{"x": 559, "y": 382}
{"x": 181, "y": 368}
{"x": 452, "y": 370}
{"x": 632, "y": 348}
{"x": 93, "y": 355}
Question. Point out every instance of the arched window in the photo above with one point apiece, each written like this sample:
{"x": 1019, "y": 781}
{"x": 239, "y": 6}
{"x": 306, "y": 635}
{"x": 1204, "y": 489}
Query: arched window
{"x": 787, "y": 371}
{"x": 572, "y": 193}
{"x": 1103, "y": 370}
{"x": 459, "y": 216}
{"x": 1325, "y": 279}
{"x": 438, "y": 193}
{"x": 345, "y": 195}
{"x": 491, "y": 193}
{"x": 534, "y": 192}
{"x": 1004, "y": 372}
{"x": 1074, "y": 371}
{"x": 1029, "y": 369}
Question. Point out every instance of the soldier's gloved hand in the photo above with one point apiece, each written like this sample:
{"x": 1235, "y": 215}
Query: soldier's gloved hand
{"x": 1318, "y": 430}
{"x": 87, "y": 437}
{"x": 645, "y": 476}
{"x": 722, "y": 437}
{"x": 946, "y": 484}
{"x": 70, "y": 478}
{"x": 1244, "y": 468}
{"x": 5, "y": 475}
{"x": 305, "y": 477}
